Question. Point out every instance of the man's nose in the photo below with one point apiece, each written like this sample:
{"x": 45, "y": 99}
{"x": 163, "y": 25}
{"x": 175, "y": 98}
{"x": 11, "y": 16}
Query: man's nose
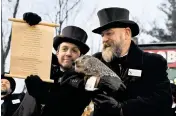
{"x": 69, "y": 52}
{"x": 105, "y": 39}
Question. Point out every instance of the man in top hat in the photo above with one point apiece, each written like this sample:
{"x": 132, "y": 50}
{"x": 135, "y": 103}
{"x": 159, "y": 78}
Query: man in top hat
{"x": 7, "y": 88}
{"x": 66, "y": 96}
{"x": 148, "y": 90}
{"x": 9, "y": 102}
{"x": 17, "y": 103}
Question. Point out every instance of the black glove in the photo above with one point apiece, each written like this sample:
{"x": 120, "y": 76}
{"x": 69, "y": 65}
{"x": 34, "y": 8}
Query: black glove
{"x": 31, "y": 18}
{"x": 111, "y": 85}
{"x": 107, "y": 105}
{"x": 33, "y": 84}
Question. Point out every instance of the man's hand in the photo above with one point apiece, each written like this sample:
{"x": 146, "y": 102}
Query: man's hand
{"x": 111, "y": 85}
{"x": 33, "y": 84}
{"x": 106, "y": 104}
{"x": 31, "y": 18}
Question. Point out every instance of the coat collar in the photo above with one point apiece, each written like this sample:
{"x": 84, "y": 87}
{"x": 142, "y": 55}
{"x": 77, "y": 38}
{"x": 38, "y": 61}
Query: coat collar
{"x": 135, "y": 56}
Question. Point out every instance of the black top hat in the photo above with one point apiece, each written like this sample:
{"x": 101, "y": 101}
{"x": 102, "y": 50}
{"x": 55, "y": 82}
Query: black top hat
{"x": 11, "y": 80}
{"x": 115, "y": 17}
{"x": 73, "y": 35}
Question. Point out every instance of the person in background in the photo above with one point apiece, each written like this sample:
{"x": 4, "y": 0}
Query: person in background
{"x": 8, "y": 85}
{"x": 173, "y": 88}
{"x": 18, "y": 104}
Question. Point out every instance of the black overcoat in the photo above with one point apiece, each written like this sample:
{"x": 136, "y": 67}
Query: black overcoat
{"x": 65, "y": 98}
{"x": 148, "y": 87}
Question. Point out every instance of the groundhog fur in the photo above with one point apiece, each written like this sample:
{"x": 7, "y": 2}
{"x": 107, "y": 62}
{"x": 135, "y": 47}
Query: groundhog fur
{"x": 91, "y": 66}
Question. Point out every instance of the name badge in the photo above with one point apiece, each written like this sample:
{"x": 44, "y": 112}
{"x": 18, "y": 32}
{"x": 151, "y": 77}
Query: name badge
{"x": 135, "y": 72}
{"x": 15, "y": 101}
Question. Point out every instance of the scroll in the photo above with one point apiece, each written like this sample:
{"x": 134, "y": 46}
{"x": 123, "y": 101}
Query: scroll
{"x": 31, "y": 49}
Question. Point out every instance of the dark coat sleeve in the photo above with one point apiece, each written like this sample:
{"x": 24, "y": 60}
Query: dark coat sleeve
{"x": 69, "y": 79}
{"x": 158, "y": 94}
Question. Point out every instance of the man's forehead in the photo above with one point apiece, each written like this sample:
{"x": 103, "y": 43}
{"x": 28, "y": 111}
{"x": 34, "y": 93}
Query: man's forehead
{"x": 107, "y": 30}
{"x": 67, "y": 44}
{"x": 112, "y": 29}
{"x": 6, "y": 80}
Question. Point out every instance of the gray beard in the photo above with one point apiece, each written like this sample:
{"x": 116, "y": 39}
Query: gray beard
{"x": 109, "y": 54}
{"x": 6, "y": 92}
{"x": 118, "y": 53}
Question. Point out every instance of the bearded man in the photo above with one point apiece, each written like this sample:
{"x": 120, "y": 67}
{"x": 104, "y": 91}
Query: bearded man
{"x": 148, "y": 90}
{"x": 9, "y": 102}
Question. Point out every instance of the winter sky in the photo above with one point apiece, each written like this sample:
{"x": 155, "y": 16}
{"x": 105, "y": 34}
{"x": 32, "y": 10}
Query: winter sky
{"x": 85, "y": 16}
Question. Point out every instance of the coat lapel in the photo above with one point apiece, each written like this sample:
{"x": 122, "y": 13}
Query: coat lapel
{"x": 133, "y": 64}
{"x": 135, "y": 57}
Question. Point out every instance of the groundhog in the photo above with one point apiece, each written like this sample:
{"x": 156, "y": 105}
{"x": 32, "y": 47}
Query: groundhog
{"x": 91, "y": 66}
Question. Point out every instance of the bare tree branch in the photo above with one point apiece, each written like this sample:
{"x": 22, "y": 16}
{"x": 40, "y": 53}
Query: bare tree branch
{"x": 14, "y": 15}
{"x": 60, "y": 5}
{"x": 56, "y": 20}
{"x": 65, "y": 6}
{"x": 2, "y": 52}
{"x": 162, "y": 9}
{"x": 76, "y": 3}
{"x": 16, "y": 9}
{"x": 62, "y": 13}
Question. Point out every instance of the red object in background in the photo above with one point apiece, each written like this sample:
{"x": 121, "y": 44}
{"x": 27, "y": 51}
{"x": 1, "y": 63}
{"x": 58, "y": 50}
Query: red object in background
{"x": 168, "y": 54}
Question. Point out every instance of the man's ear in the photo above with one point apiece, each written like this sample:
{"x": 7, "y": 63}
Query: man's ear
{"x": 9, "y": 91}
{"x": 57, "y": 52}
{"x": 128, "y": 32}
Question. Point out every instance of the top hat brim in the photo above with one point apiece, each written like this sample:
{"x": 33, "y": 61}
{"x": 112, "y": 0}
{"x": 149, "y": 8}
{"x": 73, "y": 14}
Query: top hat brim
{"x": 119, "y": 23}
{"x": 12, "y": 82}
{"x": 59, "y": 39}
